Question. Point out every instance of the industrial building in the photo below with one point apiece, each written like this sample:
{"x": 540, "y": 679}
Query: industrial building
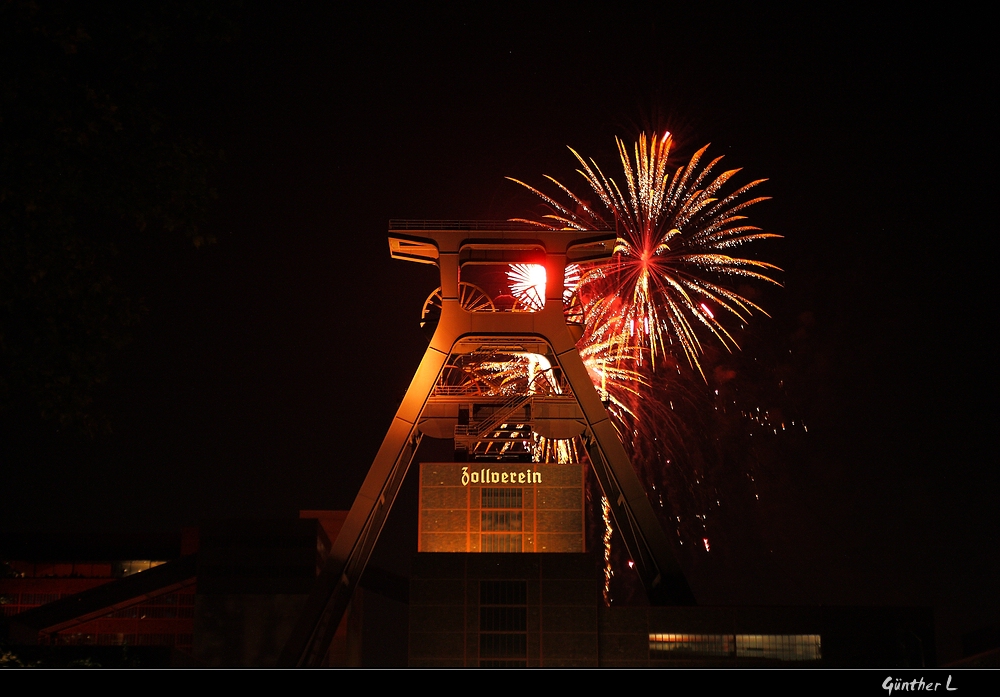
{"x": 503, "y": 575}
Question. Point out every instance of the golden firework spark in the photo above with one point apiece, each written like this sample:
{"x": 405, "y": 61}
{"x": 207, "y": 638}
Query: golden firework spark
{"x": 674, "y": 238}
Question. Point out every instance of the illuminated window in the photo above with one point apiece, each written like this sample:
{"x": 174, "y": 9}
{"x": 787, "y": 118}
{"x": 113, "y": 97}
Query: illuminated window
{"x": 502, "y": 498}
{"x": 780, "y": 647}
{"x": 501, "y": 520}
{"x": 497, "y": 524}
{"x": 132, "y": 566}
{"x": 783, "y": 647}
{"x": 501, "y": 543}
{"x": 695, "y": 644}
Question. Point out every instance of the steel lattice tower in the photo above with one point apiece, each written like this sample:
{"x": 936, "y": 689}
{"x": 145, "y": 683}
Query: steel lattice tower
{"x": 467, "y": 323}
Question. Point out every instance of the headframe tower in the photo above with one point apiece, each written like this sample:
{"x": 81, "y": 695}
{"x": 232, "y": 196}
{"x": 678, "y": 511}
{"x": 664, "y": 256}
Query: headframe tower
{"x": 558, "y": 402}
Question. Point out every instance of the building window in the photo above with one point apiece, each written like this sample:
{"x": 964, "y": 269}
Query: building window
{"x": 501, "y": 543}
{"x": 503, "y": 593}
{"x": 494, "y": 521}
{"x": 775, "y": 647}
{"x": 502, "y": 498}
{"x": 675, "y": 645}
{"x": 783, "y": 647}
{"x": 503, "y": 624}
{"x": 500, "y": 516}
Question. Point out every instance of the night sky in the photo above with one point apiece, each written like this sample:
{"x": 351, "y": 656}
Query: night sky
{"x": 269, "y": 364}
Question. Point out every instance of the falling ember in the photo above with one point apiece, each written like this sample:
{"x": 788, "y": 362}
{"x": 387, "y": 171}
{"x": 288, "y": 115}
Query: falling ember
{"x": 606, "y": 513}
{"x": 705, "y": 542}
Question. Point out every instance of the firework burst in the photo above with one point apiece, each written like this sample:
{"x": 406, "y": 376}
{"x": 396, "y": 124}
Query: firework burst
{"x": 669, "y": 286}
{"x": 675, "y": 234}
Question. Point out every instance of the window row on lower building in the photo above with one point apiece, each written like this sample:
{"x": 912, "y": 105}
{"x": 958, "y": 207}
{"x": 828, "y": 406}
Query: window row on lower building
{"x": 780, "y": 647}
{"x": 102, "y": 639}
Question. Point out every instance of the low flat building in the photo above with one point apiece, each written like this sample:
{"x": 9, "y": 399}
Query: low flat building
{"x": 547, "y": 610}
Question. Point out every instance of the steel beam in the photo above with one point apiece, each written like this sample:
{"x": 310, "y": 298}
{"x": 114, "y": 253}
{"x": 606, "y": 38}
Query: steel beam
{"x": 447, "y": 247}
